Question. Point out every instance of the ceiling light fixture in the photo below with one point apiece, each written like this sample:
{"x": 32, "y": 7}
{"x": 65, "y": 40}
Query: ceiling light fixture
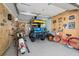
{"x": 26, "y": 4}
{"x": 50, "y": 3}
{"x": 27, "y": 13}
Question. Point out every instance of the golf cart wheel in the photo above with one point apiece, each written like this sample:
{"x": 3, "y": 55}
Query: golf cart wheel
{"x": 32, "y": 39}
{"x": 73, "y": 42}
{"x": 42, "y": 38}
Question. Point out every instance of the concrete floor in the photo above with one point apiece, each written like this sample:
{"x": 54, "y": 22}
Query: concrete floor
{"x": 44, "y": 48}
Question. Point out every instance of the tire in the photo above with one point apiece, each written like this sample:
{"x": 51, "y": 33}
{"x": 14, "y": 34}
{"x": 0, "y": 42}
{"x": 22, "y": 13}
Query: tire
{"x": 30, "y": 35}
{"x": 32, "y": 39}
{"x": 73, "y": 42}
{"x": 42, "y": 39}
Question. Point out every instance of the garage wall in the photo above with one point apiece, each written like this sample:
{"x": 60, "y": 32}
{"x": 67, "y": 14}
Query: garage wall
{"x": 12, "y": 8}
{"x": 5, "y": 29}
{"x": 62, "y": 22}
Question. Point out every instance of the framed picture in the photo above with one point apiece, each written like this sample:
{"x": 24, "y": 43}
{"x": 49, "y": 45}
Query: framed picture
{"x": 60, "y": 19}
{"x": 71, "y": 25}
{"x": 9, "y": 17}
{"x": 54, "y": 21}
{"x": 65, "y": 26}
{"x": 72, "y": 17}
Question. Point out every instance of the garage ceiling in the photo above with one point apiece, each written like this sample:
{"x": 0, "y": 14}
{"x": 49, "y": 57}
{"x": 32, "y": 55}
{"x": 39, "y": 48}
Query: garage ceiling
{"x": 27, "y": 10}
{"x": 43, "y": 9}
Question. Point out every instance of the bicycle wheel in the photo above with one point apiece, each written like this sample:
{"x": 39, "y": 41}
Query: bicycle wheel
{"x": 73, "y": 42}
{"x": 50, "y": 38}
{"x": 57, "y": 38}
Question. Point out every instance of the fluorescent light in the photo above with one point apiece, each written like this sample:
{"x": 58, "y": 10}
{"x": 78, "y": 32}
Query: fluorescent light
{"x": 26, "y": 4}
{"x": 77, "y": 3}
{"x": 27, "y": 13}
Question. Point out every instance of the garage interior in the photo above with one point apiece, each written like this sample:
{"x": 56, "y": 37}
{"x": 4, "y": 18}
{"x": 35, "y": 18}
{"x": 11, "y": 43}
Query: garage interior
{"x": 59, "y": 21}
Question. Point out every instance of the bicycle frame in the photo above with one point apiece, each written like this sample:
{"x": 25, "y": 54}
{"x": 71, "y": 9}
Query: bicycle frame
{"x": 70, "y": 41}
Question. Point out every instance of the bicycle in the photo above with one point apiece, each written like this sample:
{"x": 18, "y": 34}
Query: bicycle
{"x": 73, "y": 42}
{"x": 70, "y": 41}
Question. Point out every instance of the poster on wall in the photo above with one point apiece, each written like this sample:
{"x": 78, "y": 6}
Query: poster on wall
{"x": 65, "y": 26}
{"x": 70, "y": 25}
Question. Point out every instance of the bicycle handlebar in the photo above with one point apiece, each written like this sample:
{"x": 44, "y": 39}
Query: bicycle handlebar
{"x": 68, "y": 35}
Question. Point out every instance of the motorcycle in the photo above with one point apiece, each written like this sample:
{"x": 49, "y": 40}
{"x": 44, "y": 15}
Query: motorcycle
{"x": 21, "y": 46}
